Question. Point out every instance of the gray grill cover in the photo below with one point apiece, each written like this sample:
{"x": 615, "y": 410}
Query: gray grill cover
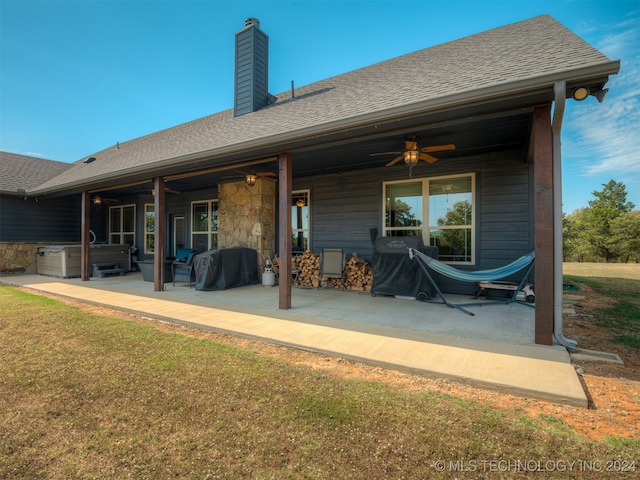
{"x": 226, "y": 268}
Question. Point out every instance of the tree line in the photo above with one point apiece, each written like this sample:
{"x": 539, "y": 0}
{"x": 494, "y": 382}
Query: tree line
{"x": 608, "y": 230}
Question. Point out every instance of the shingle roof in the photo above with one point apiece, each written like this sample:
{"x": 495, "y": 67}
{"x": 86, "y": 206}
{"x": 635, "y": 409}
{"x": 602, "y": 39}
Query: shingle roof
{"x": 517, "y": 57}
{"x": 24, "y": 172}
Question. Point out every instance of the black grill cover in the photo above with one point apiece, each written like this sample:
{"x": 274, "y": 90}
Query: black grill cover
{"x": 226, "y": 268}
{"x": 394, "y": 273}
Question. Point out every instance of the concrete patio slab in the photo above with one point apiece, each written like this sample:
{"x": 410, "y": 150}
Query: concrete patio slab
{"x": 384, "y": 331}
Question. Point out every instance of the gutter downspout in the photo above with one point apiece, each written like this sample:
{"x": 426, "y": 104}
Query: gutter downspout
{"x": 556, "y": 126}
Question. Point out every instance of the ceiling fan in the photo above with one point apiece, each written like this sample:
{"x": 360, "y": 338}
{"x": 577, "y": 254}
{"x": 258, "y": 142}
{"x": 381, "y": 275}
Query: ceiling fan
{"x": 251, "y": 176}
{"x": 411, "y": 153}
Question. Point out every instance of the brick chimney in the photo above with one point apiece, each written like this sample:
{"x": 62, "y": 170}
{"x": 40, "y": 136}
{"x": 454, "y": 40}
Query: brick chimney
{"x": 252, "y": 68}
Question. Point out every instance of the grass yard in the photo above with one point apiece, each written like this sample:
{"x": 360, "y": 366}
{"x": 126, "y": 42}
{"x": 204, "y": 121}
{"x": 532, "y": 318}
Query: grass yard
{"x": 621, "y": 283}
{"x": 88, "y": 396}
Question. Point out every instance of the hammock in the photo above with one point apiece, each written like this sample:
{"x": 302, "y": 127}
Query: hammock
{"x": 478, "y": 276}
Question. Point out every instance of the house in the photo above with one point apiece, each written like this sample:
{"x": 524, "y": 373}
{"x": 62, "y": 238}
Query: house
{"x": 458, "y": 143}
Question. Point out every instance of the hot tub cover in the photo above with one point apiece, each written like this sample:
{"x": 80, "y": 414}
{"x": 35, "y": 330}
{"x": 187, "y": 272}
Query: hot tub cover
{"x": 226, "y": 268}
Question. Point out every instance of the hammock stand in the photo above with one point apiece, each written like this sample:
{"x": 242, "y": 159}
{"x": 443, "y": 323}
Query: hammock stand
{"x": 484, "y": 275}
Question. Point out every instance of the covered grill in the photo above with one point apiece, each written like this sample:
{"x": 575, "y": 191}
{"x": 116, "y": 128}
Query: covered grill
{"x": 394, "y": 273}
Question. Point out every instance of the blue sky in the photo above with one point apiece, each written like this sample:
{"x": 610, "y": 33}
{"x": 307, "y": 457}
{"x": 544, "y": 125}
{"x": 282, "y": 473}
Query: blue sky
{"x": 79, "y": 76}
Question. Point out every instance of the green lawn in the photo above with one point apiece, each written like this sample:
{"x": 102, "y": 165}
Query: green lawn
{"x": 621, "y": 282}
{"x": 86, "y": 396}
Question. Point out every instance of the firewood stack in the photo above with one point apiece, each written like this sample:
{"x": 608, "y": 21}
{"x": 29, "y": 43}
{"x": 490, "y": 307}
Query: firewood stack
{"x": 308, "y": 267}
{"x": 358, "y": 273}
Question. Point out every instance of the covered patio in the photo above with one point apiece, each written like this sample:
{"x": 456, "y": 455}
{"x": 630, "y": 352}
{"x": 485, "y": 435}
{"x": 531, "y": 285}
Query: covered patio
{"x": 493, "y": 349}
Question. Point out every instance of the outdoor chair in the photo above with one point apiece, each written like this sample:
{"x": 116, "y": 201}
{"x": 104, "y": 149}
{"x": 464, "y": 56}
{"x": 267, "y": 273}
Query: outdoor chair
{"x": 182, "y": 266}
{"x": 332, "y": 263}
{"x": 275, "y": 265}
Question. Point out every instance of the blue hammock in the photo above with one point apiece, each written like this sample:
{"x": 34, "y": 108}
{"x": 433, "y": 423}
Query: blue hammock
{"x": 477, "y": 276}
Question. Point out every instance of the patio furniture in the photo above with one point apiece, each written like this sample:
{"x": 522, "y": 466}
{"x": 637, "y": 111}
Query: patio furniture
{"x": 182, "y": 266}
{"x": 478, "y": 276}
{"x": 226, "y": 268}
{"x": 147, "y": 266}
{"x": 331, "y": 265}
{"x": 275, "y": 265}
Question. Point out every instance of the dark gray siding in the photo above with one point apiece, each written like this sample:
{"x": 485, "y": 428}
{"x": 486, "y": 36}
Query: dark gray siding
{"x": 345, "y": 206}
{"x": 49, "y": 220}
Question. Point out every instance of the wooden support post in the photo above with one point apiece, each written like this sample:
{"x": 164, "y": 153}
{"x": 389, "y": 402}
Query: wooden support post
{"x": 85, "y": 240}
{"x": 543, "y": 220}
{"x": 159, "y": 242}
{"x": 284, "y": 227}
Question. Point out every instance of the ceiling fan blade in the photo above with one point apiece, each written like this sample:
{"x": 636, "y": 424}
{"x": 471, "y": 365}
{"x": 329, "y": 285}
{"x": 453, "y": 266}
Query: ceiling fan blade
{"x": 427, "y": 158}
{"x": 394, "y": 161}
{"x": 439, "y": 148}
{"x": 266, "y": 174}
{"x": 171, "y": 190}
{"x": 384, "y": 153}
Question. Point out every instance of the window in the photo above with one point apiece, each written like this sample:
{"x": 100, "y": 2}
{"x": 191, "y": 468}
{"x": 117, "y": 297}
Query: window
{"x": 204, "y": 225}
{"x": 440, "y": 210}
{"x": 300, "y": 220}
{"x": 122, "y": 221}
{"x": 149, "y": 228}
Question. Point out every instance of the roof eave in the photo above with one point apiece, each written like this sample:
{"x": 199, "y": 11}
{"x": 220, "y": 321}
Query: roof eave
{"x": 467, "y": 97}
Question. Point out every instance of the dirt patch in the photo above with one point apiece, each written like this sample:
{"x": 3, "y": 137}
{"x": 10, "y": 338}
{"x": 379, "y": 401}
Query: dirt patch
{"x": 613, "y": 390}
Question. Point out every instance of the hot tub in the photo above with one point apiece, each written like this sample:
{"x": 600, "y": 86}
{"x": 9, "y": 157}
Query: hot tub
{"x": 64, "y": 260}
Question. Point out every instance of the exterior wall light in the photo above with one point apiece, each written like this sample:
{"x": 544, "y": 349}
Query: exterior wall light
{"x": 580, "y": 93}
{"x": 600, "y": 94}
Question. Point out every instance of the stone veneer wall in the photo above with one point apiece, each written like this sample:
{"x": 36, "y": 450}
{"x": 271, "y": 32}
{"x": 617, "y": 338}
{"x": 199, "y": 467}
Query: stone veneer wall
{"x": 19, "y": 257}
{"x": 247, "y": 217}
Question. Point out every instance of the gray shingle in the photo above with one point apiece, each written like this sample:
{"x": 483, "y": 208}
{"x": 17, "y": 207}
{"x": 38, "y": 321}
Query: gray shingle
{"x": 24, "y": 172}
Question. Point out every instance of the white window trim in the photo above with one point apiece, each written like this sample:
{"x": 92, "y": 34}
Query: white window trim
{"x": 426, "y": 226}
{"x": 210, "y": 233}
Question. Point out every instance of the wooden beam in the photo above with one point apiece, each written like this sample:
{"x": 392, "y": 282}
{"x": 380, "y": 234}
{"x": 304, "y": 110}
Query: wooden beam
{"x": 195, "y": 173}
{"x": 284, "y": 227}
{"x": 85, "y": 240}
{"x": 543, "y": 223}
{"x": 159, "y": 242}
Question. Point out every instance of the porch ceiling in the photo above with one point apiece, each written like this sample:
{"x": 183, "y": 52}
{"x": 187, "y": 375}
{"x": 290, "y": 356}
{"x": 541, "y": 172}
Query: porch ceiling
{"x": 351, "y": 149}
